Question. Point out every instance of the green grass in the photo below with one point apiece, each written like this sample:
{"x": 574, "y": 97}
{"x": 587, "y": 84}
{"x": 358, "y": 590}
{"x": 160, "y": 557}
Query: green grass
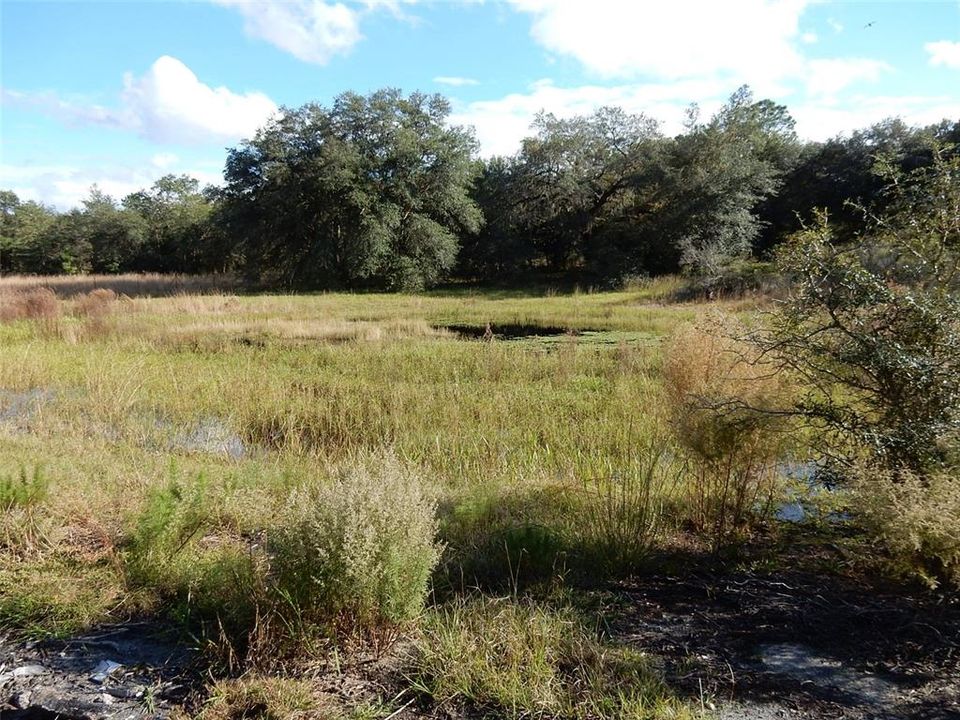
{"x": 173, "y": 434}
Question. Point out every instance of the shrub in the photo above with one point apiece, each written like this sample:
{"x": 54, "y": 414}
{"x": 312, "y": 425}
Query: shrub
{"x": 915, "y": 518}
{"x": 357, "y": 554}
{"x": 24, "y": 491}
{"x": 873, "y": 328}
{"x": 724, "y": 402}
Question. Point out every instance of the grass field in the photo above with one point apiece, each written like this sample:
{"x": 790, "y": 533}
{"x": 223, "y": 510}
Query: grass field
{"x": 151, "y": 448}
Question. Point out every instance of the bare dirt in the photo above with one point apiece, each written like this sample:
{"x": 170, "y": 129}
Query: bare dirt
{"x": 792, "y": 644}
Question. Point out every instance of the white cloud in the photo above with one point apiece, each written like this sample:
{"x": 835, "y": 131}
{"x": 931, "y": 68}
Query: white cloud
{"x": 826, "y": 119}
{"x": 502, "y": 123}
{"x": 828, "y": 77}
{"x": 164, "y": 160}
{"x": 168, "y": 104}
{"x": 835, "y": 25}
{"x": 454, "y": 80}
{"x": 809, "y": 38}
{"x": 66, "y": 186}
{"x": 311, "y": 30}
{"x": 751, "y": 40}
{"x": 944, "y": 53}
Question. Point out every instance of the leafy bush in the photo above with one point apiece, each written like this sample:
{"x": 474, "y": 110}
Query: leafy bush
{"x": 357, "y": 554}
{"x": 873, "y": 328}
{"x": 724, "y": 403}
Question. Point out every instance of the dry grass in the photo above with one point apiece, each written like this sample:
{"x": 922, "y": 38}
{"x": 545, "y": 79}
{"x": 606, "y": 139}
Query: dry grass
{"x": 131, "y": 284}
{"x": 723, "y": 402}
{"x": 38, "y": 304}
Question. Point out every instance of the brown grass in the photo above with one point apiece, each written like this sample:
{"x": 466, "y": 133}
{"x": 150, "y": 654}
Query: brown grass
{"x": 38, "y": 304}
{"x": 723, "y": 402}
{"x": 130, "y": 284}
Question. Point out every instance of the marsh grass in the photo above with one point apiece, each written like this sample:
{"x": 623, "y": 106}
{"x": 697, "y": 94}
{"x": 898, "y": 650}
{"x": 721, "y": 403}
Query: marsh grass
{"x": 547, "y": 459}
{"x": 513, "y": 658}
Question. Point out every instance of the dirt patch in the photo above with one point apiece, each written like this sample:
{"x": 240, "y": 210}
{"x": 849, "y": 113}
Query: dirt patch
{"x": 130, "y": 671}
{"x": 798, "y": 645}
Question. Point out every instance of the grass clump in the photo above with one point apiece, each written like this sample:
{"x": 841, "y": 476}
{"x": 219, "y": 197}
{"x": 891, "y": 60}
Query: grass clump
{"x": 515, "y": 659}
{"x": 356, "y": 555}
{"x": 40, "y": 305}
{"x": 264, "y": 698}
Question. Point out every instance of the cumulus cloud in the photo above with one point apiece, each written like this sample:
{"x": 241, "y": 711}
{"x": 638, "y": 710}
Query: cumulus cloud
{"x": 454, "y": 80}
{"x": 502, "y": 123}
{"x": 819, "y": 120}
{"x": 311, "y": 30}
{"x": 167, "y": 104}
{"x": 170, "y": 104}
{"x": 944, "y": 52}
{"x": 753, "y": 40}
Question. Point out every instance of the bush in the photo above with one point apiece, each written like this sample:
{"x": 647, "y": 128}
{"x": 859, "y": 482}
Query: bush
{"x": 357, "y": 554}
{"x": 873, "y": 328}
{"x": 24, "y": 491}
{"x": 916, "y": 519}
{"x": 724, "y": 402}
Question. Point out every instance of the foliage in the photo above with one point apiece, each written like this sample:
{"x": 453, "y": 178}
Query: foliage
{"x": 373, "y": 191}
{"x": 722, "y": 171}
{"x": 358, "y": 553}
{"x": 23, "y": 491}
{"x": 873, "y": 328}
{"x": 915, "y": 518}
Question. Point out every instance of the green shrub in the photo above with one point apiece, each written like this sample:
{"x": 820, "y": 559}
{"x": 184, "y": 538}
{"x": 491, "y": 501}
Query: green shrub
{"x": 23, "y": 491}
{"x": 357, "y": 553}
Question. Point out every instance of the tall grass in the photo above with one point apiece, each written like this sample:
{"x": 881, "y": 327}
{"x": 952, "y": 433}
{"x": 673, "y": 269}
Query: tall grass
{"x": 725, "y": 405}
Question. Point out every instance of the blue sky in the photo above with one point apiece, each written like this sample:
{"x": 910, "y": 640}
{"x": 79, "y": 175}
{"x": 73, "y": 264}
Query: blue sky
{"x": 120, "y": 93}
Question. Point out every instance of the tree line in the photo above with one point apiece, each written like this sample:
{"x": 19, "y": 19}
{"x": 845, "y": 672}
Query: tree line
{"x": 379, "y": 191}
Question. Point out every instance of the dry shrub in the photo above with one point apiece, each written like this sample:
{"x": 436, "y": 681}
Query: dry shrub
{"x": 723, "y": 401}
{"x": 39, "y": 305}
{"x": 96, "y": 309}
{"x": 917, "y": 520}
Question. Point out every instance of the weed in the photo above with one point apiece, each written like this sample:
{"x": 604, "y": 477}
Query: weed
{"x": 26, "y": 490}
{"x": 357, "y": 554}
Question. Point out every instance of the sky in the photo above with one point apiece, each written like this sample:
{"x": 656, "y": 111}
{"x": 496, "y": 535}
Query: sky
{"x": 119, "y": 93}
